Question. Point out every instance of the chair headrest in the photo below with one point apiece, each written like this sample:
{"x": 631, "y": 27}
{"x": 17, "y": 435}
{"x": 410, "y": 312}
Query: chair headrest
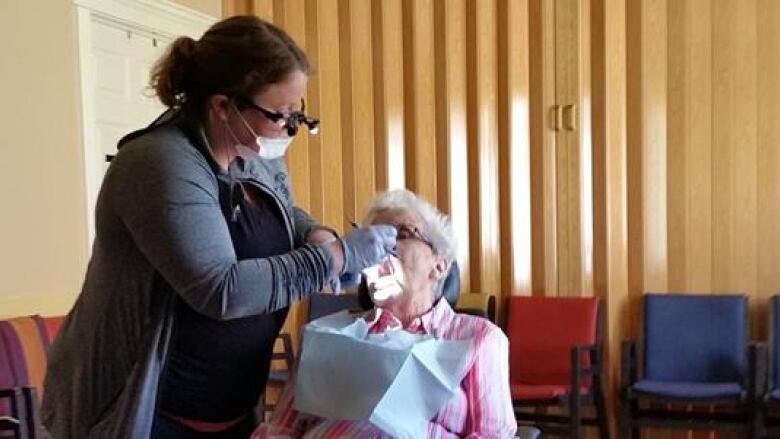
{"x": 450, "y": 289}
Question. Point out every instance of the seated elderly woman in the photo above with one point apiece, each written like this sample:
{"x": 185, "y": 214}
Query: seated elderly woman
{"x": 481, "y": 405}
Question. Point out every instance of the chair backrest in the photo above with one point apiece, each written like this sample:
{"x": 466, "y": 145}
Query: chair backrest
{"x": 483, "y": 305}
{"x": 24, "y": 343}
{"x": 694, "y": 338}
{"x": 321, "y": 305}
{"x": 774, "y": 340}
{"x": 542, "y": 331}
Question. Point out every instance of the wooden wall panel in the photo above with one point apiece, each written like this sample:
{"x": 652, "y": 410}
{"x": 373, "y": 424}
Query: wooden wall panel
{"x": 720, "y": 110}
{"x": 745, "y": 148}
{"x": 723, "y": 137}
{"x": 455, "y": 135}
{"x": 330, "y": 187}
{"x": 419, "y": 98}
{"x": 612, "y": 84}
{"x": 677, "y": 171}
{"x": 698, "y": 141}
{"x": 357, "y": 106}
{"x": 515, "y": 162}
{"x": 389, "y": 101}
{"x": 289, "y": 14}
{"x": 768, "y": 152}
{"x": 486, "y": 178}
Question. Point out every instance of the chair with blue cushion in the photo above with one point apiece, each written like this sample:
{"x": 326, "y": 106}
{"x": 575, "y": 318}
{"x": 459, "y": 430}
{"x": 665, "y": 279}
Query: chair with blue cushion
{"x": 770, "y": 413}
{"x": 694, "y": 350}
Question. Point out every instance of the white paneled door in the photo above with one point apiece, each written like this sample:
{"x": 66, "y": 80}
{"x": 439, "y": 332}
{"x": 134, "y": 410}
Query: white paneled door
{"x": 122, "y": 59}
{"x": 119, "y": 42}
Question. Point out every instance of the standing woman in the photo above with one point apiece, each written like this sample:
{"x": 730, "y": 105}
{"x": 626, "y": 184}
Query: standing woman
{"x": 199, "y": 250}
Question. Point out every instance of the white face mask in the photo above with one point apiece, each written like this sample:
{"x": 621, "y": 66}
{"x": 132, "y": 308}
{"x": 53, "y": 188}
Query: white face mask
{"x": 267, "y": 147}
{"x": 271, "y": 148}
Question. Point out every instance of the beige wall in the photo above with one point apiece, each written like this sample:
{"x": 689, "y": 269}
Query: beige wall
{"x": 42, "y": 225}
{"x": 43, "y": 230}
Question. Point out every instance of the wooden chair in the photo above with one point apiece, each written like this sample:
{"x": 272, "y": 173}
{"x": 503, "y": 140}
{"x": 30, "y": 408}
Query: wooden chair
{"x": 694, "y": 351}
{"x": 555, "y": 362}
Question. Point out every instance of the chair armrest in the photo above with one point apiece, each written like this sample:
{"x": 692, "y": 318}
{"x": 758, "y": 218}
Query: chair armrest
{"x": 594, "y": 351}
{"x": 578, "y": 372}
{"x": 7, "y": 422}
{"x": 628, "y": 366}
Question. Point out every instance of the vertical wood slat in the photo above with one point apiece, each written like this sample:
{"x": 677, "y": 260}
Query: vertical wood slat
{"x": 566, "y": 156}
{"x": 456, "y": 129}
{"x": 357, "y": 107}
{"x": 676, "y": 139}
{"x": 389, "y": 85}
{"x": 516, "y": 167}
{"x": 363, "y": 104}
{"x": 613, "y": 81}
{"x": 487, "y": 126}
{"x": 768, "y": 150}
{"x": 635, "y": 75}
{"x": 294, "y": 21}
{"x": 348, "y": 115}
{"x": 548, "y": 145}
{"x": 441, "y": 134}
{"x": 329, "y": 74}
{"x": 654, "y": 87}
{"x": 541, "y": 17}
{"x": 745, "y": 152}
{"x": 420, "y": 104}
{"x": 472, "y": 122}
{"x": 584, "y": 134}
{"x": 313, "y": 102}
{"x": 698, "y": 138}
{"x": 723, "y": 107}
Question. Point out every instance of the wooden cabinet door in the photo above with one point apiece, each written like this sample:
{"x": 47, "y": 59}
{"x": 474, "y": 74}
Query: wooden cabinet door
{"x": 562, "y": 146}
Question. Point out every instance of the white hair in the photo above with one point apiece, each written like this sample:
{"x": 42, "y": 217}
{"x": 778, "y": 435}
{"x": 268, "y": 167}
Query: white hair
{"x": 437, "y": 227}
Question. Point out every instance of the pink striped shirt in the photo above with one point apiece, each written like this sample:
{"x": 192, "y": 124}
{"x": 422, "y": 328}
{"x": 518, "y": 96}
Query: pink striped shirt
{"x": 481, "y": 408}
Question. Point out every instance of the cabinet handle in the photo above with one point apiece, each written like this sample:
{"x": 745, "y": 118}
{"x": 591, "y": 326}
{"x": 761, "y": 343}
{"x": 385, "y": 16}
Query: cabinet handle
{"x": 557, "y": 117}
{"x": 570, "y": 117}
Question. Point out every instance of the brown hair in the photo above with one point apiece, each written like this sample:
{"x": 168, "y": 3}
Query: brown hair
{"x": 237, "y": 57}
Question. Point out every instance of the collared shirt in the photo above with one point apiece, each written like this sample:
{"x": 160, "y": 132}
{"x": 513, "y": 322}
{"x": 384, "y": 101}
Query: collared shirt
{"x": 481, "y": 407}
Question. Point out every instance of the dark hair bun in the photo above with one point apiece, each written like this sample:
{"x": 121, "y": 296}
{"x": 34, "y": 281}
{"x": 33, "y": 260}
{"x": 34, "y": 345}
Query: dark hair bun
{"x": 238, "y": 56}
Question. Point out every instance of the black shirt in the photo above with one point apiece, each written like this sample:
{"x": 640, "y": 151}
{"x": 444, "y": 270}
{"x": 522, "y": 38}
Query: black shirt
{"x": 216, "y": 370}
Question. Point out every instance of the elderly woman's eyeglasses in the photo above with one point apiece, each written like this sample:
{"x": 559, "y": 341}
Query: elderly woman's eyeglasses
{"x": 290, "y": 121}
{"x": 407, "y": 231}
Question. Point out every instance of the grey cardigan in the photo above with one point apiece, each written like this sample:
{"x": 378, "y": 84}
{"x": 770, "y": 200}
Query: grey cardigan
{"x": 161, "y": 233}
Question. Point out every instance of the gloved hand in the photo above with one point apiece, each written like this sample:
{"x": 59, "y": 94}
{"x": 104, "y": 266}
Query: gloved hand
{"x": 346, "y": 280}
{"x": 365, "y": 247}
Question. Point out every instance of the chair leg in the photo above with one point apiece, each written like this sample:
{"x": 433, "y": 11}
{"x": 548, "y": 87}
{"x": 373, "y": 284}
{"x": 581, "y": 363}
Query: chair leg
{"x": 757, "y": 423}
{"x": 627, "y": 430}
{"x": 33, "y": 416}
{"x": 601, "y": 414}
{"x": 575, "y": 415}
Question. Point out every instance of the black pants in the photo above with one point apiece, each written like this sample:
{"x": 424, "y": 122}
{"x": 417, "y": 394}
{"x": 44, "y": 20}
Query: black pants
{"x": 166, "y": 428}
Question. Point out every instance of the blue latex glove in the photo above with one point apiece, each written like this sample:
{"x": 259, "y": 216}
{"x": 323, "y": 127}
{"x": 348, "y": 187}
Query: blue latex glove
{"x": 346, "y": 280}
{"x": 365, "y": 247}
